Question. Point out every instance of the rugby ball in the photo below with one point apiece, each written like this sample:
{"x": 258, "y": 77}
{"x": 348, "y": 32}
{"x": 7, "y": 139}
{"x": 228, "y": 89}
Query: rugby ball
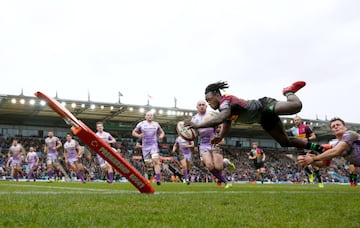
{"x": 185, "y": 132}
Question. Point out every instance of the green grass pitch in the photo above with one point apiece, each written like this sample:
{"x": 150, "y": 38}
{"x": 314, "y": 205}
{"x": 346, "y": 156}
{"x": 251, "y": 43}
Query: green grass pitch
{"x": 42, "y": 204}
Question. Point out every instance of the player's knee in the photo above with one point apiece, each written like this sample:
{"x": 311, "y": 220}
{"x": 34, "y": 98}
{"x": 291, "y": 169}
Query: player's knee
{"x": 219, "y": 166}
{"x": 297, "y": 106}
{"x": 209, "y": 166}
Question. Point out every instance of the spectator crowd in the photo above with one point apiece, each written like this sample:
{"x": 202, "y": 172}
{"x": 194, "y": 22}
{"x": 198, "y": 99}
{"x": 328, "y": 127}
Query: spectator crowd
{"x": 280, "y": 166}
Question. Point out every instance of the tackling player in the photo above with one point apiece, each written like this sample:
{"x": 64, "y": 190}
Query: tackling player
{"x": 209, "y": 154}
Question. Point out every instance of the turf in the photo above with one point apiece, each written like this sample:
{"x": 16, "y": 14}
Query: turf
{"x": 41, "y": 204}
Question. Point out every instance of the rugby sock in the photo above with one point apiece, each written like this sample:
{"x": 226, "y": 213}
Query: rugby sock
{"x": 186, "y": 175}
{"x": 150, "y": 173}
{"x": 308, "y": 170}
{"x": 318, "y": 175}
{"x": 50, "y": 174}
{"x": 314, "y": 146}
{"x": 80, "y": 176}
{"x": 111, "y": 177}
{"x": 57, "y": 174}
{"x": 157, "y": 177}
{"x": 218, "y": 174}
{"x": 353, "y": 178}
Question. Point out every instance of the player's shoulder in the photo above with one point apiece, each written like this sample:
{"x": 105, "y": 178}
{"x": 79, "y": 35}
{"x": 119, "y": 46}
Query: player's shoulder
{"x": 154, "y": 123}
{"x": 212, "y": 113}
{"x": 227, "y": 96}
{"x": 141, "y": 123}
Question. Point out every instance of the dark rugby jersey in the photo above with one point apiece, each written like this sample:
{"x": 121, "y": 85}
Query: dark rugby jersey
{"x": 244, "y": 111}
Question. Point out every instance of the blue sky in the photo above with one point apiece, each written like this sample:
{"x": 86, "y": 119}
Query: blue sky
{"x": 170, "y": 49}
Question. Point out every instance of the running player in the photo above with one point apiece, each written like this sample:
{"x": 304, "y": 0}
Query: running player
{"x": 347, "y": 146}
{"x": 149, "y": 131}
{"x": 106, "y": 137}
{"x": 210, "y": 154}
{"x": 52, "y": 145}
{"x": 16, "y": 151}
{"x": 32, "y": 159}
{"x": 184, "y": 147}
{"x": 73, "y": 155}
{"x": 258, "y": 156}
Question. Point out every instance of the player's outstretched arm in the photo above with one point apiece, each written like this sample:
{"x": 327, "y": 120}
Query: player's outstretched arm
{"x": 213, "y": 122}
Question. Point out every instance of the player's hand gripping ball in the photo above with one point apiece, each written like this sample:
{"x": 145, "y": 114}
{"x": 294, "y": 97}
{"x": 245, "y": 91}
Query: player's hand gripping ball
{"x": 185, "y": 132}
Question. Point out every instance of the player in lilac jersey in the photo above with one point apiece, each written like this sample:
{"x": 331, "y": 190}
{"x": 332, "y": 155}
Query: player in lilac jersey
{"x": 210, "y": 154}
{"x": 32, "y": 159}
{"x": 184, "y": 148}
{"x": 265, "y": 111}
{"x": 52, "y": 145}
{"x": 106, "y": 137}
{"x": 149, "y": 131}
{"x": 16, "y": 151}
{"x": 347, "y": 146}
{"x": 72, "y": 155}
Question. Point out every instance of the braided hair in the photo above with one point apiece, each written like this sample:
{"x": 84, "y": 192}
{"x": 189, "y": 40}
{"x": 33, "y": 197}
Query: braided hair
{"x": 216, "y": 87}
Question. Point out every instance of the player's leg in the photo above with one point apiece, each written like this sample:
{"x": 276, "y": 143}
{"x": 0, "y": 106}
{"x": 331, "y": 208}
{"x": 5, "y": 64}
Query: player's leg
{"x": 258, "y": 176}
{"x": 318, "y": 176}
{"x": 77, "y": 167}
{"x": 110, "y": 173}
{"x": 149, "y": 164}
{"x": 207, "y": 160}
{"x": 272, "y": 124}
{"x": 293, "y": 105}
{"x": 175, "y": 171}
{"x": 31, "y": 172}
{"x": 309, "y": 173}
{"x": 17, "y": 172}
{"x": 35, "y": 172}
{"x": 57, "y": 169}
{"x": 149, "y": 169}
{"x": 227, "y": 163}
{"x": 219, "y": 166}
{"x": 50, "y": 169}
{"x": 262, "y": 173}
{"x": 188, "y": 167}
{"x": 353, "y": 172}
{"x": 184, "y": 169}
{"x": 218, "y": 160}
{"x": 157, "y": 169}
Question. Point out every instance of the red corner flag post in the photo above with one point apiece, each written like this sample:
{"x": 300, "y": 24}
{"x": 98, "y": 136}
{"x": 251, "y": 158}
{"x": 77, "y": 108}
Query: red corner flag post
{"x": 99, "y": 146}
